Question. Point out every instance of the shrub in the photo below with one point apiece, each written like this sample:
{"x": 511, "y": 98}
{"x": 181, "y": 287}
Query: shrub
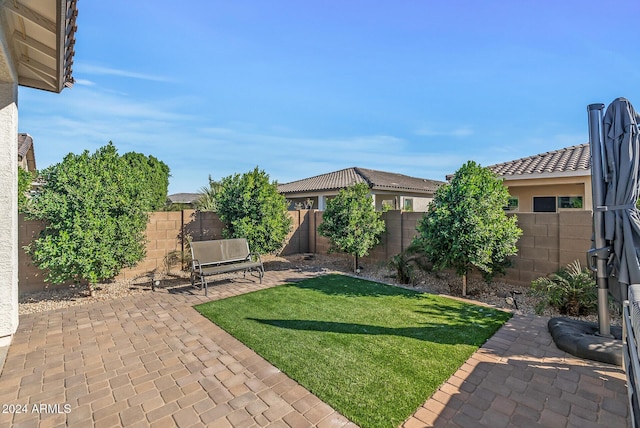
{"x": 96, "y": 211}
{"x": 405, "y": 264}
{"x": 572, "y": 290}
{"x": 404, "y": 269}
{"x": 152, "y": 176}
{"x": 251, "y": 207}
{"x": 24, "y": 185}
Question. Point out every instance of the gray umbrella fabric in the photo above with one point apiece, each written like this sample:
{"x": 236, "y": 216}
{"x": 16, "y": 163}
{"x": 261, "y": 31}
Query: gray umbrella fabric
{"x": 621, "y": 217}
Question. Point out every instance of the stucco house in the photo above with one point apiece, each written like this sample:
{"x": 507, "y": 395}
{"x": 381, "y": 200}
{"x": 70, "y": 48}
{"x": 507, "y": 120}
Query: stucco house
{"x": 37, "y": 41}
{"x": 388, "y": 189}
{"x": 549, "y": 182}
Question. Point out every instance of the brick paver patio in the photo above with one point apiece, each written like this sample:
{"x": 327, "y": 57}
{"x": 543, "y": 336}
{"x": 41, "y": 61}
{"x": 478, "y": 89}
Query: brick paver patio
{"x": 152, "y": 360}
{"x": 519, "y": 378}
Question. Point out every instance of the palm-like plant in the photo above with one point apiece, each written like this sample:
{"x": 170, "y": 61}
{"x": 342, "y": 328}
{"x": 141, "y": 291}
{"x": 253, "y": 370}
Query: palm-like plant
{"x": 571, "y": 290}
{"x": 208, "y": 195}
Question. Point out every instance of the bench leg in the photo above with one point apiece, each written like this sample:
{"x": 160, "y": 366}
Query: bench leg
{"x": 260, "y": 273}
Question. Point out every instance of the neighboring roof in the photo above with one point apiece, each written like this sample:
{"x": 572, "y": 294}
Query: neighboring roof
{"x": 41, "y": 37}
{"x": 25, "y": 149}
{"x": 25, "y": 142}
{"x": 376, "y": 180}
{"x": 574, "y": 159}
{"x": 184, "y": 198}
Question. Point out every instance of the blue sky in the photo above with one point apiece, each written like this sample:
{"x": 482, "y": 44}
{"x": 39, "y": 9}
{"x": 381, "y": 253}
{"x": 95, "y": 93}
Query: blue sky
{"x": 301, "y": 88}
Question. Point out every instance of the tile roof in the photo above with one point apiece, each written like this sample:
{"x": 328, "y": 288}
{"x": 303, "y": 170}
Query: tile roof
{"x": 377, "y": 180}
{"x": 184, "y": 198}
{"x": 570, "y": 159}
{"x": 25, "y": 142}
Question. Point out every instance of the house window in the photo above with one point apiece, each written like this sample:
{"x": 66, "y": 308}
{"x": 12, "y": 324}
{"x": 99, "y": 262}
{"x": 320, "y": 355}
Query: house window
{"x": 408, "y": 204}
{"x": 569, "y": 201}
{"x": 388, "y": 204}
{"x": 544, "y": 204}
{"x": 512, "y": 205}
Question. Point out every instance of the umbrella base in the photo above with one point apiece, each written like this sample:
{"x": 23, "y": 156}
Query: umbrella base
{"x": 581, "y": 339}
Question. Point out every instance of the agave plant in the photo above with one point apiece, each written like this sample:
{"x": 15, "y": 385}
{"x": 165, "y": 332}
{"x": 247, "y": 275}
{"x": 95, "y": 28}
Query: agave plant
{"x": 571, "y": 290}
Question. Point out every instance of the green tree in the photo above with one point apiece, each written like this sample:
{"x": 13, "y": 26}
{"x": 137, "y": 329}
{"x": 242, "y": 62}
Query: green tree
{"x": 153, "y": 176}
{"x": 95, "y": 211}
{"x": 351, "y": 222}
{"x": 208, "y": 196}
{"x": 251, "y": 207}
{"x": 24, "y": 185}
{"x": 466, "y": 227}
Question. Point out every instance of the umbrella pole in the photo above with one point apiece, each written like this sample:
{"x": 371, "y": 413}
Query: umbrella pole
{"x": 601, "y": 250}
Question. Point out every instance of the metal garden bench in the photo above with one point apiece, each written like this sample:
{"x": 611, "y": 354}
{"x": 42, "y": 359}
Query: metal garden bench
{"x": 222, "y": 256}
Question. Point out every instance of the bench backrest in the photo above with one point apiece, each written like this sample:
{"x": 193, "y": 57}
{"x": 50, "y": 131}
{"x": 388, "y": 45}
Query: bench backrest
{"x": 220, "y": 250}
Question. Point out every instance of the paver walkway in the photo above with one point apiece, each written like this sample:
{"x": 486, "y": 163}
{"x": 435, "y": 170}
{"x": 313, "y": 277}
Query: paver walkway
{"x": 519, "y": 378}
{"x": 152, "y": 360}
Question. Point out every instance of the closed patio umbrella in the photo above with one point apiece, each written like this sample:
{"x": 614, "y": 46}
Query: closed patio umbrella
{"x": 621, "y": 163}
{"x": 615, "y": 161}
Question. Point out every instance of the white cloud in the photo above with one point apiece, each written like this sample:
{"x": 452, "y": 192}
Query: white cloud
{"x": 195, "y": 147}
{"x": 463, "y": 131}
{"x": 100, "y": 70}
{"x": 84, "y": 82}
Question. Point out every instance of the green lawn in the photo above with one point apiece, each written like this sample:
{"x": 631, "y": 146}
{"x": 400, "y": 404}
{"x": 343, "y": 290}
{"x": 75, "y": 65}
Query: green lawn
{"x": 371, "y": 351}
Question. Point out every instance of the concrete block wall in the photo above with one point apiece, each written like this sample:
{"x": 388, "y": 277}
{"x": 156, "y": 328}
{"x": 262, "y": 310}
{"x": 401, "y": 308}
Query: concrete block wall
{"x": 538, "y": 248}
{"x": 163, "y": 234}
{"x": 30, "y": 278}
{"x": 321, "y": 244}
{"x": 168, "y": 233}
{"x": 400, "y": 229}
{"x": 297, "y": 240}
{"x": 549, "y": 241}
{"x": 200, "y": 226}
{"x": 576, "y": 232}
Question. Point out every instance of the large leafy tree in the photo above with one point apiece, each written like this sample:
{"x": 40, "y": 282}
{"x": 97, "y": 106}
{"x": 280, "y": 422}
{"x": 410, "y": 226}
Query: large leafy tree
{"x": 95, "y": 208}
{"x": 466, "y": 227}
{"x": 250, "y": 207}
{"x": 351, "y": 222}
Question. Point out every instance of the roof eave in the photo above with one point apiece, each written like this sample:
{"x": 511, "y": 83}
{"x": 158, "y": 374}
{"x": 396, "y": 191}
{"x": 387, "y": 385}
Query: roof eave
{"x": 54, "y": 41}
{"x": 538, "y": 175}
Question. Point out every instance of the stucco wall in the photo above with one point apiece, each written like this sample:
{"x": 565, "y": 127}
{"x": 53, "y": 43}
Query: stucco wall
{"x": 525, "y": 190}
{"x": 8, "y": 209}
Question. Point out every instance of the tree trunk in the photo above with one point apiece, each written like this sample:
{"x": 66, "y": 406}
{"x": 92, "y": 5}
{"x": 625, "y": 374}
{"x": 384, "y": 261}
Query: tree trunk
{"x": 464, "y": 285}
{"x": 355, "y": 263}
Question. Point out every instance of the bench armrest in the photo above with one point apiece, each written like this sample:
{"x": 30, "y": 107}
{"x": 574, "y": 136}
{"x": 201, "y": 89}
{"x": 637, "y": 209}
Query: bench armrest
{"x": 196, "y": 266}
{"x": 249, "y": 258}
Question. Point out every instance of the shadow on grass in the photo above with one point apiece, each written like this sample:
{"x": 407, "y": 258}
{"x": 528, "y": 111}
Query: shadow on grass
{"x": 464, "y": 312}
{"x": 437, "y": 333}
{"x": 348, "y": 286}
